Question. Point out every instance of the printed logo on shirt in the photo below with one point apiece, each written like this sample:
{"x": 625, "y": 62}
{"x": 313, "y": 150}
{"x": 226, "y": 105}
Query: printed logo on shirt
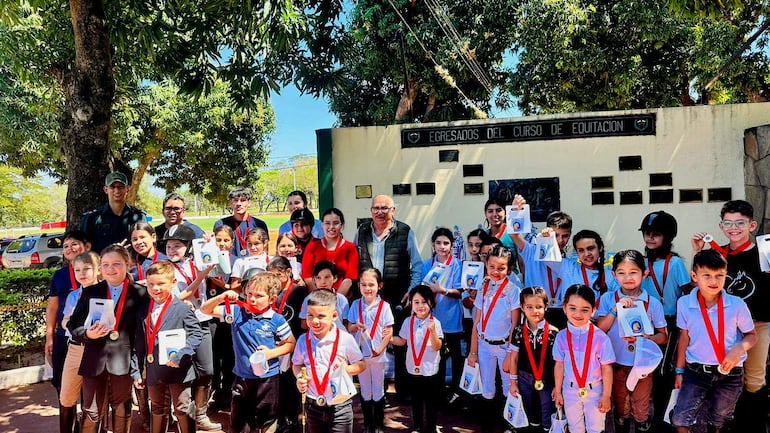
{"x": 741, "y": 285}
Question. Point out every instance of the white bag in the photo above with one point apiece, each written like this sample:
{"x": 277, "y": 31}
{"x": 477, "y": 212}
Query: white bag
{"x": 436, "y": 275}
{"x": 205, "y": 253}
{"x": 470, "y": 380}
{"x": 558, "y": 422}
{"x": 763, "y": 244}
{"x": 365, "y": 344}
{"x": 100, "y": 311}
{"x": 518, "y": 221}
{"x": 634, "y": 321}
{"x": 514, "y": 413}
{"x": 547, "y": 249}
{"x": 170, "y": 342}
{"x": 473, "y": 275}
{"x": 670, "y": 407}
{"x": 341, "y": 386}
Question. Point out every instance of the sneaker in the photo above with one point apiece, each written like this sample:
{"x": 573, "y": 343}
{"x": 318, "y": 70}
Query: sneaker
{"x": 641, "y": 427}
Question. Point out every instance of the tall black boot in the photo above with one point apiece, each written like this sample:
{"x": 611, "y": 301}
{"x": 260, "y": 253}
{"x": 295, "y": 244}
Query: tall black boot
{"x": 622, "y": 425}
{"x": 143, "y": 401}
{"x": 121, "y": 417}
{"x": 367, "y": 406}
{"x": 67, "y": 415}
{"x": 378, "y": 415}
{"x": 202, "y": 421}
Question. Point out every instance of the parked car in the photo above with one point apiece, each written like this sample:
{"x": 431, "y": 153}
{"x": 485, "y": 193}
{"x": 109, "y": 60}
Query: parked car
{"x": 4, "y": 242}
{"x": 34, "y": 251}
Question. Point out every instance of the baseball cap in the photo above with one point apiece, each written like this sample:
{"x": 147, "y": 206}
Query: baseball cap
{"x": 303, "y": 215}
{"x": 115, "y": 176}
{"x": 647, "y": 356}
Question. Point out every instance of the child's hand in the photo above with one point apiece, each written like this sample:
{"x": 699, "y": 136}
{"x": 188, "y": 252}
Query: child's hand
{"x": 432, "y": 325}
{"x": 518, "y": 202}
{"x": 97, "y": 330}
{"x": 208, "y": 270}
{"x": 506, "y": 362}
{"x": 678, "y": 381}
{"x": 514, "y": 388}
{"x": 697, "y": 241}
{"x": 301, "y": 384}
{"x": 558, "y": 400}
{"x": 546, "y": 232}
{"x": 732, "y": 358}
{"x": 472, "y": 359}
{"x": 361, "y": 327}
{"x": 138, "y": 384}
{"x": 630, "y": 340}
{"x": 435, "y": 288}
{"x": 625, "y": 302}
{"x": 387, "y": 332}
{"x": 604, "y": 404}
{"x": 231, "y": 295}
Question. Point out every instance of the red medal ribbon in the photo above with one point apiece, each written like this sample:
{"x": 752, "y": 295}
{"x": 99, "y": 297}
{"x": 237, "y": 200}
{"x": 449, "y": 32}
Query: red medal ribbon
{"x": 121, "y": 302}
{"x": 283, "y": 301}
{"x": 228, "y": 309}
{"x": 447, "y": 263}
{"x": 242, "y": 236}
{"x": 500, "y": 234}
{"x": 250, "y": 308}
{"x": 187, "y": 279}
{"x": 417, "y": 358}
{"x": 581, "y": 378}
{"x": 152, "y": 331}
{"x": 585, "y": 281}
{"x": 73, "y": 281}
{"x": 140, "y": 268}
{"x": 321, "y": 386}
{"x": 726, "y": 251}
{"x": 553, "y": 290}
{"x": 718, "y": 345}
{"x": 485, "y": 317}
{"x": 537, "y": 369}
{"x": 376, "y": 316}
{"x": 660, "y": 287}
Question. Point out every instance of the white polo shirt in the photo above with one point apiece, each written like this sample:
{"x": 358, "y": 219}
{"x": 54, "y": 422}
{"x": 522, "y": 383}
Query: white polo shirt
{"x": 342, "y": 311}
{"x": 737, "y": 322}
{"x": 347, "y": 353}
{"x": 499, "y": 325}
{"x": 623, "y": 355}
{"x": 430, "y": 358}
{"x": 370, "y": 313}
{"x": 571, "y": 273}
{"x": 601, "y": 352}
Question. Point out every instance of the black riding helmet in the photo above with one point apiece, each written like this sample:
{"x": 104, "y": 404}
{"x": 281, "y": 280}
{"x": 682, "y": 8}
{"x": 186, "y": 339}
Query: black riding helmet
{"x": 180, "y": 233}
{"x": 660, "y": 222}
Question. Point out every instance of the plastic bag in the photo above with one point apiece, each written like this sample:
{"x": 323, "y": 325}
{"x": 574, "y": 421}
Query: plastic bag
{"x": 670, "y": 407}
{"x": 558, "y": 422}
{"x": 514, "y": 413}
{"x": 470, "y": 380}
{"x": 518, "y": 221}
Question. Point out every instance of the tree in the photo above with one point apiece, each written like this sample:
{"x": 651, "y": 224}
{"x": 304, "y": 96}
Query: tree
{"x": 87, "y": 52}
{"x": 610, "y": 55}
{"x": 25, "y": 201}
{"x": 386, "y": 75}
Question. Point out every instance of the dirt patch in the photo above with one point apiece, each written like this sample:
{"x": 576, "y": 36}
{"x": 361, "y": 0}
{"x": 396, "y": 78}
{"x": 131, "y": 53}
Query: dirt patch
{"x": 31, "y": 354}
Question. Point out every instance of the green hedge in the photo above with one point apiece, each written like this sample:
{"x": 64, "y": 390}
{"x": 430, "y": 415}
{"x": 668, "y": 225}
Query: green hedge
{"x": 20, "y": 288}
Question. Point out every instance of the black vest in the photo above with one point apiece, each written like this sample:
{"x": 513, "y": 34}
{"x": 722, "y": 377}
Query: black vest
{"x": 396, "y": 270}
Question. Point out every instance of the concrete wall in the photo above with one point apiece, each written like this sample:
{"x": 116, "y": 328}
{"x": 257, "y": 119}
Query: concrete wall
{"x": 702, "y": 147}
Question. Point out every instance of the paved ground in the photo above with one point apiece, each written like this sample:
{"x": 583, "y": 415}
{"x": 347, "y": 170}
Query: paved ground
{"x": 34, "y": 409}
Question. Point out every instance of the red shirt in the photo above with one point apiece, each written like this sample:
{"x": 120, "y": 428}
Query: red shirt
{"x": 345, "y": 256}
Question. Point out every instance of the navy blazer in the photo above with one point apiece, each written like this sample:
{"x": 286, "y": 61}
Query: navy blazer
{"x": 178, "y": 316}
{"x": 102, "y": 353}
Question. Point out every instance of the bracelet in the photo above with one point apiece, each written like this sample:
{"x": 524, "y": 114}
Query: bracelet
{"x": 679, "y": 370}
{"x": 514, "y": 377}
{"x": 614, "y": 313}
{"x": 472, "y": 353}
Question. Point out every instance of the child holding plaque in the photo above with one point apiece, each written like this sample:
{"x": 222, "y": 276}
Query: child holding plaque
{"x": 256, "y": 327}
{"x": 322, "y": 354}
{"x": 106, "y": 366}
{"x": 422, "y": 334}
{"x": 583, "y": 359}
{"x": 170, "y": 374}
{"x": 372, "y": 315}
{"x": 530, "y": 361}
{"x": 143, "y": 240}
{"x": 497, "y": 312}
{"x": 716, "y": 331}
{"x": 629, "y": 269}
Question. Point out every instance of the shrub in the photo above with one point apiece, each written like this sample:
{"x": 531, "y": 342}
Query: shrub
{"x": 22, "y": 304}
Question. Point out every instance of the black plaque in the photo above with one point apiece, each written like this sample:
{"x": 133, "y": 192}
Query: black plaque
{"x": 690, "y": 195}
{"x": 628, "y": 163}
{"x": 449, "y": 155}
{"x": 542, "y": 194}
{"x": 720, "y": 194}
{"x": 402, "y": 189}
{"x": 555, "y": 129}
{"x": 425, "y": 188}
{"x": 602, "y": 182}
{"x": 473, "y": 188}
{"x": 471, "y": 170}
{"x": 661, "y": 179}
{"x": 661, "y": 196}
{"x": 630, "y": 197}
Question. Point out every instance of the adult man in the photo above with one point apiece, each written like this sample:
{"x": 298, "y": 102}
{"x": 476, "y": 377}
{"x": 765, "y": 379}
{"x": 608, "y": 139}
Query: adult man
{"x": 390, "y": 246}
{"x": 240, "y": 221}
{"x": 174, "y": 210}
{"x": 109, "y": 224}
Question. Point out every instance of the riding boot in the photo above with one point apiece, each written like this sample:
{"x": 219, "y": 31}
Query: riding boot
{"x": 378, "y": 415}
{"x": 121, "y": 417}
{"x": 366, "y": 408}
{"x": 622, "y": 425}
{"x": 142, "y": 399}
{"x": 158, "y": 423}
{"x": 67, "y": 415}
{"x": 202, "y": 421}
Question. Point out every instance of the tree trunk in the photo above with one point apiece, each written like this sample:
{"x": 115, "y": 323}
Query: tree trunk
{"x": 407, "y": 99}
{"x": 152, "y": 152}
{"x": 89, "y": 89}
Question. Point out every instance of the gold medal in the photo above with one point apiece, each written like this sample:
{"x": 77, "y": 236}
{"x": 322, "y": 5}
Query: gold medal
{"x": 321, "y": 401}
{"x": 229, "y": 319}
{"x": 722, "y": 370}
{"x": 417, "y": 370}
{"x": 213, "y": 292}
{"x": 582, "y": 392}
{"x": 539, "y": 385}
{"x": 114, "y": 335}
{"x": 631, "y": 347}
{"x": 150, "y": 358}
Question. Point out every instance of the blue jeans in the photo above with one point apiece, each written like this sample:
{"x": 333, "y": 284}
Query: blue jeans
{"x": 527, "y": 391}
{"x": 704, "y": 385}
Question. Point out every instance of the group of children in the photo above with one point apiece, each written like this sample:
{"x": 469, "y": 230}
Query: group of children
{"x": 271, "y": 348}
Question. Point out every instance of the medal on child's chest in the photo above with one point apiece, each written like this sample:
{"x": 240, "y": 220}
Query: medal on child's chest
{"x": 152, "y": 331}
{"x": 485, "y": 316}
{"x": 114, "y": 334}
{"x": 581, "y": 377}
{"x": 150, "y": 358}
{"x": 537, "y": 368}
{"x": 320, "y": 385}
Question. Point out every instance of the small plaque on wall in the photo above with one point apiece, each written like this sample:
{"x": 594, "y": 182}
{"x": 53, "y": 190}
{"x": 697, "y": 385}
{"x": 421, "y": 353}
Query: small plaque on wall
{"x": 402, "y": 189}
{"x": 363, "y": 191}
{"x": 473, "y": 188}
{"x": 448, "y": 155}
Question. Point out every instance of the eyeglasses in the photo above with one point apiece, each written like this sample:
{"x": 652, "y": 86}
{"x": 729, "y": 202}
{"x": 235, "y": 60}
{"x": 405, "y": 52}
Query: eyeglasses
{"x": 382, "y": 209}
{"x": 740, "y": 224}
{"x": 173, "y": 209}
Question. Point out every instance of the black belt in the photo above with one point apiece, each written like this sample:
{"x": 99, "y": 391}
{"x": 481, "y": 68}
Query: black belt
{"x": 713, "y": 369}
{"x": 312, "y": 402}
{"x": 75, "y": 343}
{"x": 494, "y": 342}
